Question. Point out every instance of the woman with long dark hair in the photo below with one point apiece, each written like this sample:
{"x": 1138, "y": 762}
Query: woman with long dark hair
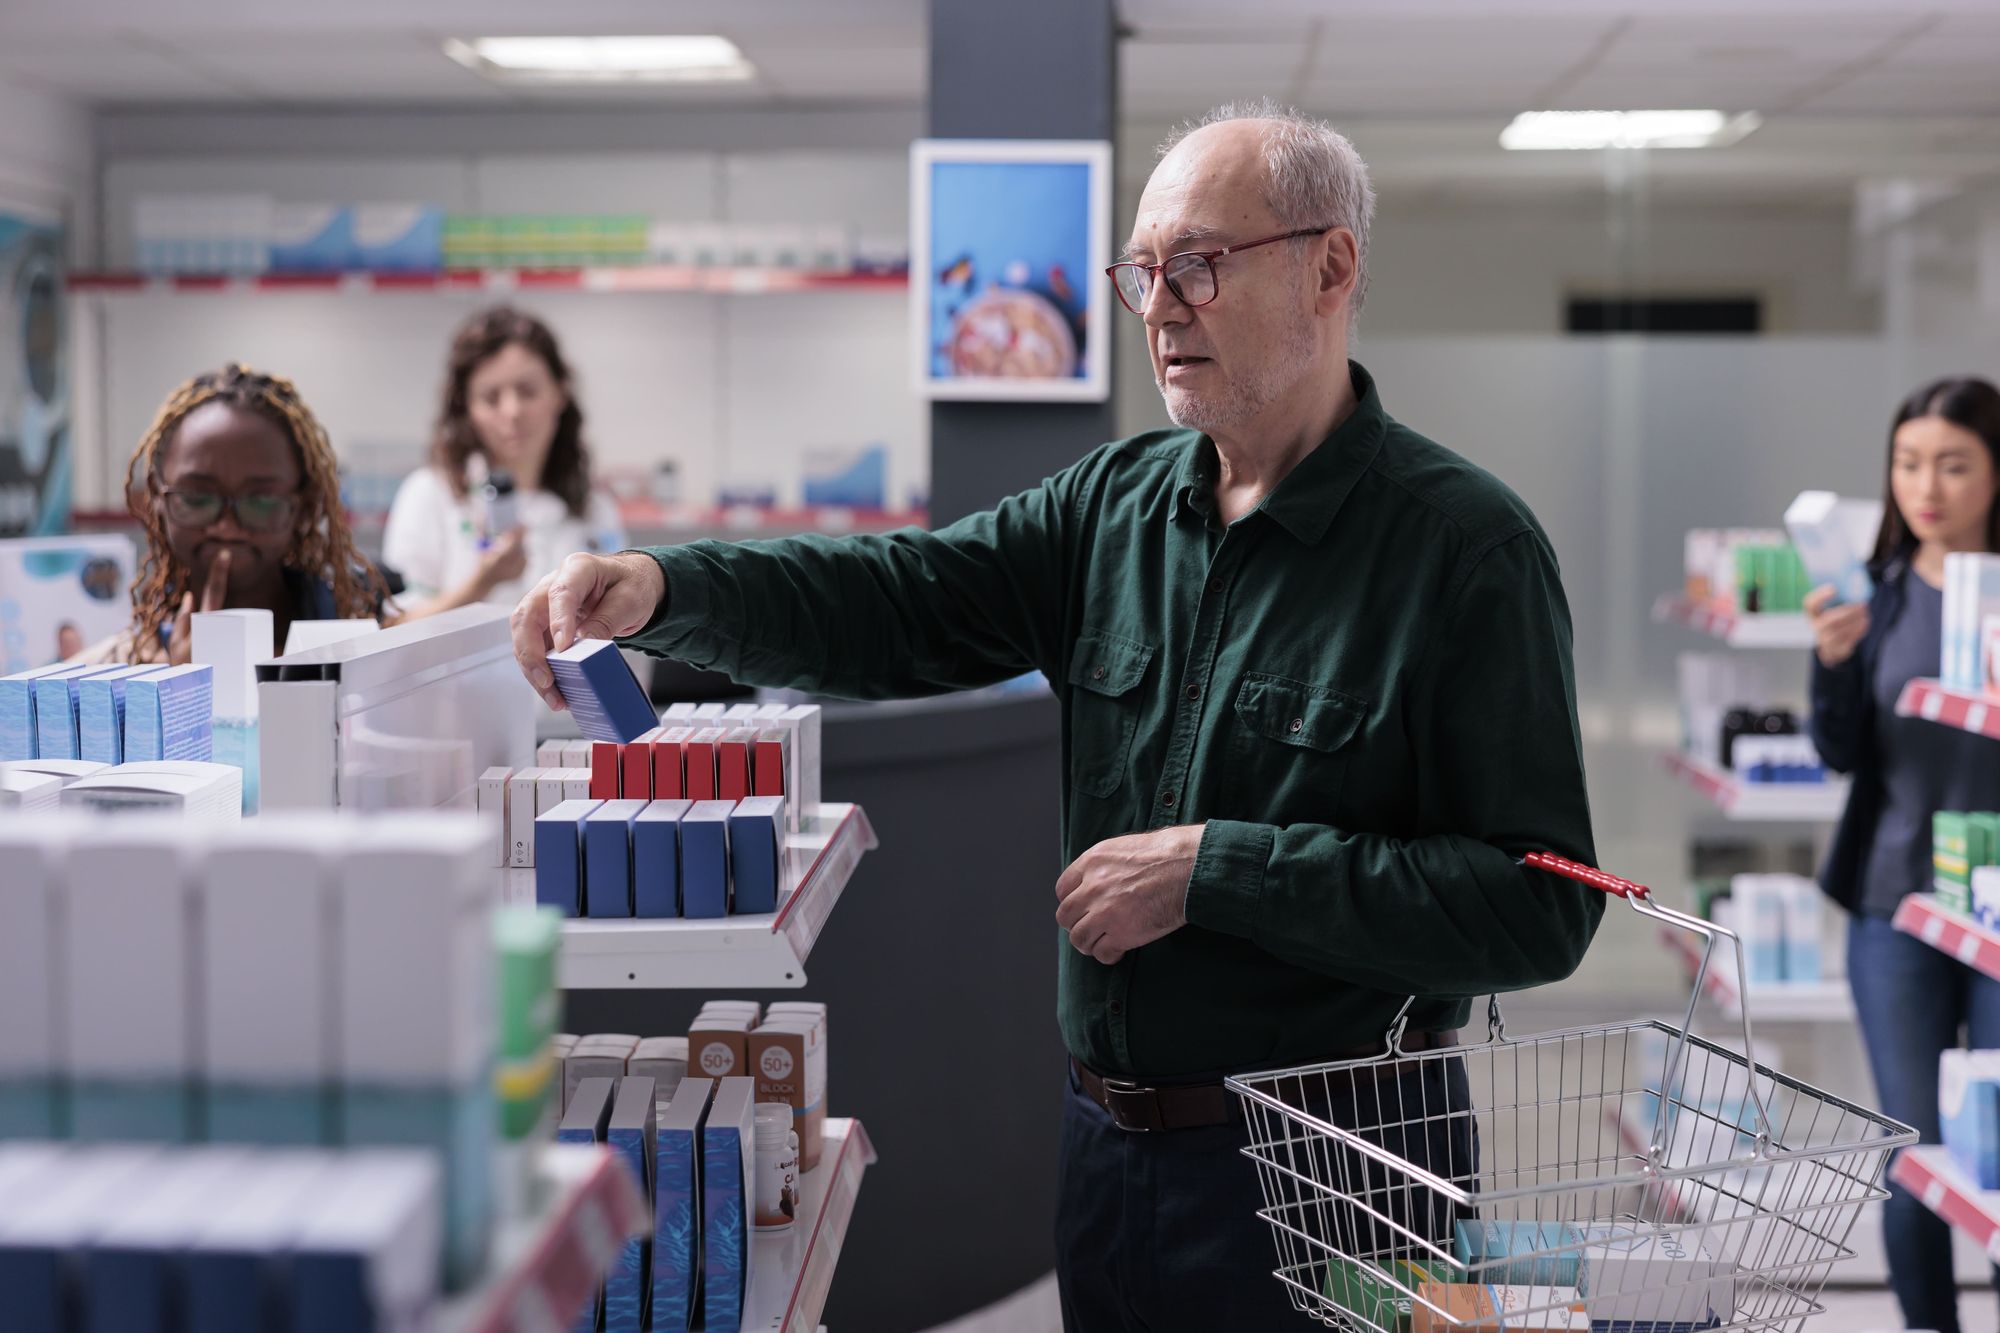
{"x": 1913, "y": 1001}
{"x": 506, "y": 494}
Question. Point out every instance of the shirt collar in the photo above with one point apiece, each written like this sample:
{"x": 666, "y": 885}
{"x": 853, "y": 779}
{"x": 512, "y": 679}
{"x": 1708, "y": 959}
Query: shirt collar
{"x": 1305, "y": 502}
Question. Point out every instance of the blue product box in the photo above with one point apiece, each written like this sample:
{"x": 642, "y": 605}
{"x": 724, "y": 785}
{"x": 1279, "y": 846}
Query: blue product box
{"x": 312, "y": 238}
{"x": 601, "y": 691}
{"x": 459, "y": 1124}
{"x": 656, "y": 858}
{"x": 394, "y": 238}
{"x": 100, "y": 714}
{"x": 853, "y": 479}
{"x": 132, "y": 1111}
{"x": 586, "y": 1120}
{"x": 607, "y": 858}
{"x": 1969, "y": 1106}
{"x": 705, "y": 859}
{"x": 56, "y": 733}
{"x": 1519, "y": 1254}
{"x": 756, "y": 837}
{"x": 630, "y": 1134}
{"x": 17, "y": 712}
{"x": 169, "y": 714}
{"x": 233, "y": 1272}
{"x": 677, "y": 1205}
{"x": 267, "y": 1117}
{"x": 559, "y": 856}
{"x": 728, "y": 1163}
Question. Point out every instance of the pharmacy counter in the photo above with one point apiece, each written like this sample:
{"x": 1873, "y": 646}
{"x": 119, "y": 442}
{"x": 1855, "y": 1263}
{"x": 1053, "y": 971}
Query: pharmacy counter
{"x": 940, "y": 970}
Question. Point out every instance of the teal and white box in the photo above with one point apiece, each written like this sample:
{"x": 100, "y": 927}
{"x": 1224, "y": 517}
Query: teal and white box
{"x": 312, "y": 238}
{"x": 729, "y": 1163}
{"x": 100, "y": 714}
{"x": 1804, "y": 928}
{"x": 30, "y": 976}
{"x": 1835, "y": 537}
{"x": 1517, "y": 1254}
{"x": 235, "y": 1254}
{"x": 399, "y": 238}
{"x": 365, "y": 1255}
{"x": 1969, "y": 1107}
{"x": 17, "y": 712}
{"x": 457, "y": 1127}
{"x": 128, "y": 1037}
{"x": 266, "y": 982}
{"x": 56, "y": 732}
{"x": 169, "y": 714}
{"x": 1642, "y": 1277}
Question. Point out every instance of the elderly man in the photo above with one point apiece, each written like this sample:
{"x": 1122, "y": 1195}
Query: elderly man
{"x": 1317, "y": 697}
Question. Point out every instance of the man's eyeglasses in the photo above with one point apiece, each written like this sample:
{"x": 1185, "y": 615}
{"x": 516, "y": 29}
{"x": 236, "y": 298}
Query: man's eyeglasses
{"x": 189, "y": 508}
{"x": 1190, "y": 275}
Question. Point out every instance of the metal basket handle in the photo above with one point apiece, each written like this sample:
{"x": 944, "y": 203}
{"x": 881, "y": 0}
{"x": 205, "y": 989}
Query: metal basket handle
{"x": 1641, "y": 899}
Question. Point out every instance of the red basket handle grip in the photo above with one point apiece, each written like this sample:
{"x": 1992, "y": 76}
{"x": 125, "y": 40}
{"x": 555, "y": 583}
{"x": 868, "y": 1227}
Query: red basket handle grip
{"x": 1583, "y": 874}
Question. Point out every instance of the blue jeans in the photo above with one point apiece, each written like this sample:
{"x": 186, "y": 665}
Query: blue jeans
{"x": 1913, "y": 1001}
{"x": 1159, "y": 1233}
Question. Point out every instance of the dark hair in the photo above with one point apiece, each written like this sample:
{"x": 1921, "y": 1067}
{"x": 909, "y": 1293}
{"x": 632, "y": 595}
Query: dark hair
{"x": 1965, "y": 401}
{"x": 483, "y": 336}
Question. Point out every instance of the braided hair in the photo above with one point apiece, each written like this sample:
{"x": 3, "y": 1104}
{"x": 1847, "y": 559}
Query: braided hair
{"x": 321, "y": 543}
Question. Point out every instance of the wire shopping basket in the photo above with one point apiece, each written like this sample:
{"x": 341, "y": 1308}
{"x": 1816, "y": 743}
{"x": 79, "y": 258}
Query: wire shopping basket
{"x": 1631, "y": 1178}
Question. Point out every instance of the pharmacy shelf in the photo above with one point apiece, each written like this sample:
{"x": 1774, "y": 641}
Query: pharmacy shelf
{"x": 1770, "y": 1002}
{"x": 791, "y": 1270}
{"x": 1788, "y": 802}
{"x": 1963, "y": 709}
{"x": 767, "y": 950}
{"x": 494, "y": 281}
{"x": 1772, "y": 629}
{"x": 1954, "y": 933}
{"x": 545, "y": 1267}
{"x": 1929, "y": 1173}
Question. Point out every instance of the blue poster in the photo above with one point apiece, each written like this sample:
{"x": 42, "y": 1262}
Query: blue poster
{"x": 35, "y": 458}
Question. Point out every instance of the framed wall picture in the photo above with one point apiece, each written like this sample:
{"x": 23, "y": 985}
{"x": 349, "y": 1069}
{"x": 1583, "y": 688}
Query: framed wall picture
{"x": 1009, "y": 243}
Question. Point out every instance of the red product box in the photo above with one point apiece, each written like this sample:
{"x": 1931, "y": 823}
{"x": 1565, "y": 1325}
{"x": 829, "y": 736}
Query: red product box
{"x": 669, "y": 775}
{"x": 732, "y": 764}
{"x": 700, "y": 752}
{"x": 603, "y": 770}
{"x": 770, "y": 761}
{"x": 636, "y": 767}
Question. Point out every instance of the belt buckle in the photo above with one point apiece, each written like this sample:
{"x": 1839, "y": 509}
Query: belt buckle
{"x": 1116, "y": 1089}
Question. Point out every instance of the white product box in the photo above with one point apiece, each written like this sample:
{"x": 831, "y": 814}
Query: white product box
{"x": 1760, "y": 923}
{"x": 1805, "y": 926}
{"x": 84, "y": 1195}
{"x": 739, "y": 713}
{"x": 549, "y": 754}
{"x": 709, "y": 713}
{"x": 493, "y": 812}
{"x": 1989, "y": 654}
{"x": 1971, "y": 593}
{"x": 372, "y": 1241}
{"x": 1986, "y": 896}
{"x": 523, "y": 793}
{"x": 1834, "y": 538}
{"x": 575, "y": 754}
{"x": 266, "y": 951}
{"x": 158, "y": 1216}
{"x": 234, "y": 642}
{"x": 30, "y": 951}
{"x": 682, "y": 712}
{"x": 804, "y": 792}
{"x": 255, "y": 1224}
{"x": 306, "y": 635}
{"x": 128, "y": 951}
{"x": 69, "y": 770}
{"x": 575, "y": 782}
{"x": 24, "y": 793}
{"x": 415, "y": 953}
{"x": 202, "y": 792}
{"x": 552, "y": 789}
{"x": 1639, "y": 1276}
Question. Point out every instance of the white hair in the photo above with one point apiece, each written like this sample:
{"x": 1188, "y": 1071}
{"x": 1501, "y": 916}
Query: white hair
{"x": 1313, "y": 175}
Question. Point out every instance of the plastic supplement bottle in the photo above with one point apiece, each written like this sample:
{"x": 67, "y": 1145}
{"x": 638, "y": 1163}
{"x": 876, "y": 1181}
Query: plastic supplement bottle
{"x": 777, "y": 1167}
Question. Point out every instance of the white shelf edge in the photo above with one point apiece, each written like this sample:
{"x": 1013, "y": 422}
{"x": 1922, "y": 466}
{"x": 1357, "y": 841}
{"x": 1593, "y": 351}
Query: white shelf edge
{"x": 792, "y": 1270}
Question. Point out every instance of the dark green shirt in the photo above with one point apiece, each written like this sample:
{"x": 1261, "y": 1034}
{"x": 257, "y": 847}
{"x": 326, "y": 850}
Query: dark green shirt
{"x": 1363, "y": 687}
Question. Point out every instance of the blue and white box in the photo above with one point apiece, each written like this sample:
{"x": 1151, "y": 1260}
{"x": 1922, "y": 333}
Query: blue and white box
{"x": 312, "y": 238}
{"x": 1517, "y": 1253}
{"x": 656, "y": 859}
{"x": 607, "y": 858}
{"x": 728, "y": 1173}
{"x": 399, "y": 238}
{"x": 1759, "y": 916}
{"x": 1804, "y": 929}
{"x": 1834, "y": 538}
{"x": 705, "y": 859}
{"x": 366, "y": 1254}
{"x": 56, "y": 731}
{"x": 677, "y": 1205}
{"x": 628, "y": 1286}
{"x": 170, "y": 714}
{"x": 1638, "y": 1278}
{"x": 100, "y": 714}
{"x": 558, "y": 856}
{"x": 234, "y": 1255}
{"x": 586, "y": 1120}
{"x": 1969, "y": 1107}
{"x": 131, "y": 1274}
{"x": 39, "y": 1240}
{"x": 602, "y": 693}
{"x": 17, "y": 712}
{"x": 756, "y": 852}
{"x": 1986, "y": 896}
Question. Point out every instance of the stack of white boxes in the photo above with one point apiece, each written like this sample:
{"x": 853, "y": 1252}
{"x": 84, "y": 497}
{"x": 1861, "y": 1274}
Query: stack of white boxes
{"x": 1781, "y": 922}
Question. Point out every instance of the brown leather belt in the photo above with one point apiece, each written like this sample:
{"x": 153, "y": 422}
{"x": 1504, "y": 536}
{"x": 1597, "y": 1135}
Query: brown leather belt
{"x": 1138, "y": 1108}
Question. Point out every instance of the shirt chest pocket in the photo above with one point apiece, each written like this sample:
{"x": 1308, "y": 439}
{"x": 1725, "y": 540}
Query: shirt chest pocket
{"x": 1105, "y": 671}
{"x": 1292, "y": 747}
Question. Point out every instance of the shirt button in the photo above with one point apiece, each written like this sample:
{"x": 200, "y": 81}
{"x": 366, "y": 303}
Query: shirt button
{"x": 1167, "y": 800}
{"x": 1097, "y": 673}
{"x": 1194, "y": 691}
{"x": 1117, "y": 1008}
{"x": 1298, "y": 725}
{"x": 1215, "y": 585}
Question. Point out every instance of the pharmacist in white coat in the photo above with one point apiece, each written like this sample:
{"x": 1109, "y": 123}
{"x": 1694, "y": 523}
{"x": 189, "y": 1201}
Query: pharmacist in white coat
{"x": 506, "y": 494}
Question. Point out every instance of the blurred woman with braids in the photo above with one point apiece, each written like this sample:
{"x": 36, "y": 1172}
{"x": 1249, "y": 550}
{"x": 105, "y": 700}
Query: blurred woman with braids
{"x": 239, "y": 495}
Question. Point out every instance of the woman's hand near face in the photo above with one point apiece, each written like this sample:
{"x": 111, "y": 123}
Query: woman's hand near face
{"x": 214, "y": 597}
{"x": 1837, "y": 630}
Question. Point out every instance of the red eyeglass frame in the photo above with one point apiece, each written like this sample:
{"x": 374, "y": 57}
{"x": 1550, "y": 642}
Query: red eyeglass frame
{"x": 1206, "y": 256}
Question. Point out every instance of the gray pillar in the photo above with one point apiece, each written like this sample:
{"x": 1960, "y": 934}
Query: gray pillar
{"x": 1029, "y": 69}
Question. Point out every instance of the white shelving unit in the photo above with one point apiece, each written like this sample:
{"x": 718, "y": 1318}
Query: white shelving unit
{"x": 791, "y": 1270}
{"x": 757, "y": 952}
{"x": 1774, "y": 629}
{"x": 1761, "y": 802}
{"x": 1772, "y": 1002}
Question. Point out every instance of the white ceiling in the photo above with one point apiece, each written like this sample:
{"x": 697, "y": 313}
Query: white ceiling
{"x": 1361, "y": 59}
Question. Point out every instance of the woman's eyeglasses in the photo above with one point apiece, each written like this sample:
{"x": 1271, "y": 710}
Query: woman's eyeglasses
{"x": 195, "y": 508}
{"x": 1190, "y": 275}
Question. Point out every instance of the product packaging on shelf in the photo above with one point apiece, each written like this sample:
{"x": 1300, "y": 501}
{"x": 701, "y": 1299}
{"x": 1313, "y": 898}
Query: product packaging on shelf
{"x": 1969, "y": 1107}
{"x": 234, "y": 642}
{"x": 100, "y": 714}
{"x": 656, "y": 857}
{"x": 558, "y": 856}
{"x": 607, "y": 858}
{"x": 719, "y": 1045}
{"x": 705, "y": 859}
{"x": 677, "y": 1205}
{"x": 23, "y": 792}
{"x": 201, "y": 791}
{"x": 632, "y": 1134}
{"x": 362, "y": 1254}
{"x": 491, "y": 802}
{"x": 57, "y": 733}
{"x": 729, "y": 1157}
{"x": 169, "y": 714}
{"x": 756, "y": 852}
{"x": 17, "y": 713}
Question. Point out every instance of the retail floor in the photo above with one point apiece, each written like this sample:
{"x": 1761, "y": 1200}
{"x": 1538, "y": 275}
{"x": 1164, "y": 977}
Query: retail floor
{"x": 1848, "y": 1310}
